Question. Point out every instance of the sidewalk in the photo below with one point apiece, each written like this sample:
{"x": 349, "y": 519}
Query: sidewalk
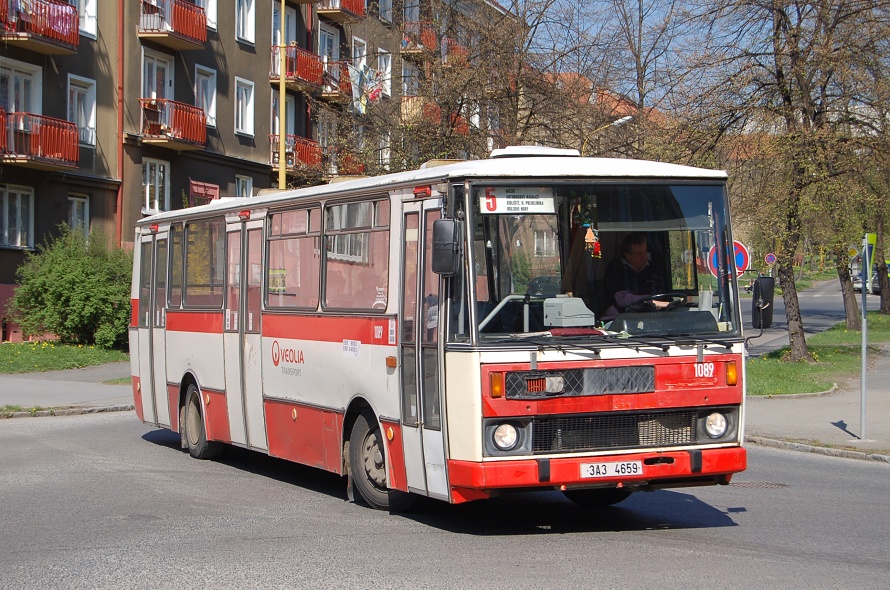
{"x": 81, "y": 389}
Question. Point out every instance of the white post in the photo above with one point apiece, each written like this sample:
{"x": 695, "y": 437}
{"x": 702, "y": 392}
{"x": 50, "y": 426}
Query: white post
{"x": 866, "y": 267}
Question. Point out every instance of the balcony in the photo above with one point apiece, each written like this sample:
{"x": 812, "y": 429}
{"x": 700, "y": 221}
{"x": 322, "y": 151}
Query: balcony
{"x": 302, "y": 69}
{"x": 49, "y": 27}
{"x": 38, "y": 142}
{"x": 176, "y": 24}
{"x": 173, "y": 125}
{"x": 336, "y": 85}
{"x": 453, "y": 53}
{"x": 417, "y": 110}
{"x": 342, "y": 11}
{"x": 417, "y": 38}
{"x": 301, "y": 154}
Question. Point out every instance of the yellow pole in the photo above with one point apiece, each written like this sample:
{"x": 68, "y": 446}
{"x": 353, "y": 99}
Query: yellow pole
{"x": 282, "y": 106}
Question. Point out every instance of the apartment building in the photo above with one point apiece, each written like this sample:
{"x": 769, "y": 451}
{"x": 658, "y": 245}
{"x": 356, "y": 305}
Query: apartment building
{"x": 112, "y": 112}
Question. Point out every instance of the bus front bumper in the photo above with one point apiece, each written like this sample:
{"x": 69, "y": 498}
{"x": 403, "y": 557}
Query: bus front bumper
{"x": 470, "y": 480}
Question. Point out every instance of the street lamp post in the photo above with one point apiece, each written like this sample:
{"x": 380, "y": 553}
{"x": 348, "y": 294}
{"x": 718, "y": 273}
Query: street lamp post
{"x": 615, "y": 123}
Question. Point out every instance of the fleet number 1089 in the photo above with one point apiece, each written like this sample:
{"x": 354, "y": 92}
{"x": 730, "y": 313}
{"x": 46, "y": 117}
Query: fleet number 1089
{"x": 704, "y": 369}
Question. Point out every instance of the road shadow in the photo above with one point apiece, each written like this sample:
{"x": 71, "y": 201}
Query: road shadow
{"x": 522, "y": 513}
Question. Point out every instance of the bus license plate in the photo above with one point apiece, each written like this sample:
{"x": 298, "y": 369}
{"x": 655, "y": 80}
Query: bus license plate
{"x": 593, "y": 470}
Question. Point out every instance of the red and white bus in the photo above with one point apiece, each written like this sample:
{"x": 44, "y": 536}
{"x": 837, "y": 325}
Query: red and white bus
{"x": 440, "y": 332}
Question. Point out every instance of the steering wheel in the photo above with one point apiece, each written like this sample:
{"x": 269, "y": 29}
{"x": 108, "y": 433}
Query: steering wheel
{"x": 677, "y": 300}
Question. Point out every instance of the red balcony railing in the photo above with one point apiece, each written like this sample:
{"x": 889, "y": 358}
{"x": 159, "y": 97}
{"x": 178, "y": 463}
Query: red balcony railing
{"x": 299, "y": 65}
{"x": 3, "y": 133}
{"x": 51, "y": 20}
{"x": 174, "y": 17}
{"x": 39, "y": 139}
{"x": 335, "y": 79}
{"x": 347, "y": 9}
{"x": 299, "y": 151}
{"x": 453, "y": 52}
{"x": 418, "y": 35}
{"x": 171, "y": 120}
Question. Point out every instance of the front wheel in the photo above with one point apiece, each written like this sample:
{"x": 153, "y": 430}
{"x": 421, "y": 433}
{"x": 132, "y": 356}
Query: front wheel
{"x": 195, "y": 432}
{"x": 367, "y": 465}
{"x": 597, "y": 497}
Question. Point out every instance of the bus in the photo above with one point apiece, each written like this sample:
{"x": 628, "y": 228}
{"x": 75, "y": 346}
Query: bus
{"x": 443, "y": 332}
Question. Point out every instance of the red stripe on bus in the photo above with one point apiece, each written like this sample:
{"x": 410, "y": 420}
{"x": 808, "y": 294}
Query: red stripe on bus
{"x": 304, "y": 434}
{"x": 398, "y": 476}
{"x": 134, "y": 312}
{"x": 216, "y": 415}
{"x": 372, "y": 330}
{"x": 173, "y": 405}
{"x": 195, "y": 321}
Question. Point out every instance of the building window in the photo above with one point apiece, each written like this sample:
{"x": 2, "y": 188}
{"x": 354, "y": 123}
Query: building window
{"x": 157, "y": 75}
{"x": 243, "y": 106}
{"x": 359, "y": 52}
{"x": 383, "y": 152}
{"x": 385, "y": 10}
{"x": 87, "y": 11}
{"x": 244, "y": 20}
{"x": 155, "y": 186}
{"x": 411, "y": 11}
{"x": 205, "y": 93}
{"x": 410, "y": 79}
{"x": 384, "y": 69}
{"x": 20, "y": 87}
{"x": 209, "y": 7}
{"x": 243, "y": 186}
{"x": 82, "y": 107}
{"x": 545, "y": 243}
{"x": 17, "y": 221}
{"x": 79, "y": 213}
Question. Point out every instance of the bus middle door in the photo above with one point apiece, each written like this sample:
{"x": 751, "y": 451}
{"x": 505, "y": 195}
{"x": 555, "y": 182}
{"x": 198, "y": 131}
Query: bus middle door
{"x": 152, "y": 329}
{"x": 422, "y": 423}
{"x": 242, "y": 338}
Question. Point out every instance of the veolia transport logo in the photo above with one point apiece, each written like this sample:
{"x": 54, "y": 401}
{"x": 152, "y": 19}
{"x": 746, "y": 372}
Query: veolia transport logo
{"x": 287, "y": 355}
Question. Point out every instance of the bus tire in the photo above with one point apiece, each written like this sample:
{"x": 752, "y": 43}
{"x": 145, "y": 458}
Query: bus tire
{"x": 597, "y": 497}
{"x": 195, "y": 431}
{"x": 367, "y": 466}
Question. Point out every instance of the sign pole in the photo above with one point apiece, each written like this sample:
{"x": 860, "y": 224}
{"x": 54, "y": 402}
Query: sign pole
{"x": 866, "y": 268}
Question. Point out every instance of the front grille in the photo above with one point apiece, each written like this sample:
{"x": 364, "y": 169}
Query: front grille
{"x": 602, "y": 432}
{"x": 592, "y": 381}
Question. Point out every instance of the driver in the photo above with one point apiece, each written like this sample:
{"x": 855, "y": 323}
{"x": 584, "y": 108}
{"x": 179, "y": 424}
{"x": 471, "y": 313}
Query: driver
{"x": 630, "y": 278}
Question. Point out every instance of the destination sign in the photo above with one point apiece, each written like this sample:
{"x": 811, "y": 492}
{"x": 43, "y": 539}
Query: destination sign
{"x": 518, "y": 199}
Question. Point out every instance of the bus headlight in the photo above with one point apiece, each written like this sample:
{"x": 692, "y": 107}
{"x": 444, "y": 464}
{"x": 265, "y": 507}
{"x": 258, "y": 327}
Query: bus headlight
{"x": 505, "y": 437}
{"x": 716, "y": 424}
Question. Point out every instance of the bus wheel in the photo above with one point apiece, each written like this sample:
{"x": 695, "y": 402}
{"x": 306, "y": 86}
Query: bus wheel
{"x": 195, "y": 434}
{"x": 597, "y": 497}
{"x": 367, "y": 465}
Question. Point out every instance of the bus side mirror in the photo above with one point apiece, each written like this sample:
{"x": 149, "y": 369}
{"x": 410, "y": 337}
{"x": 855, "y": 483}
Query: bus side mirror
{"x": 762, "y": 310}
{"x": 446, "y": 242}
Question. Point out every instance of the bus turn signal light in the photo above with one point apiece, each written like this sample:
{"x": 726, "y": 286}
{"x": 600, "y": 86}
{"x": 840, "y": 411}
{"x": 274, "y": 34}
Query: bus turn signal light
{"x": 496, "y": 384}
{"x": 732, "y": 373}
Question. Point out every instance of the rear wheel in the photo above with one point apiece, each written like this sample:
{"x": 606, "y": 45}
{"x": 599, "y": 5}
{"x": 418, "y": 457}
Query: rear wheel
{"x": 597, "y": 497}
{"x": 195, "y": 432}
{"x": 367, "y": 466}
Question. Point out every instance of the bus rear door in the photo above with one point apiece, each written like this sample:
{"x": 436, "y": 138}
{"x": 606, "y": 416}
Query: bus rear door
{"x": 152, "y": 334}
{"x": 242, "y": 340}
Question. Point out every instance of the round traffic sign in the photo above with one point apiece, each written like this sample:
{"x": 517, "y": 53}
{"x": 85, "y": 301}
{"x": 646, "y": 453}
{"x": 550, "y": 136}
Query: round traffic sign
{"x": 742, "y": 259}
{"x": 770, "y": 258}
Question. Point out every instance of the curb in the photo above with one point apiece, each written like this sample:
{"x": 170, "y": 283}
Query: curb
{"x": 829, "y": 451}
{"x": 67, "y": 411}
{"x": 829, "y": 391}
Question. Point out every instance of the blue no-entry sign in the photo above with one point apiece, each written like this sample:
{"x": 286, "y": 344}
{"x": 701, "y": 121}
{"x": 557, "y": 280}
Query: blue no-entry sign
{"x": 742, "y": 258}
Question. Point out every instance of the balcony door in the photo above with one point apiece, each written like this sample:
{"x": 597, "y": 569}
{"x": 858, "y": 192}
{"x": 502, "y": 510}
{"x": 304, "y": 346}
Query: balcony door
{"x": 157, "y": 76}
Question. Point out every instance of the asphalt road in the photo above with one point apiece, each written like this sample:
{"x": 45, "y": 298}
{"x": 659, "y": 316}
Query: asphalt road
{"x": 102, "y": 501}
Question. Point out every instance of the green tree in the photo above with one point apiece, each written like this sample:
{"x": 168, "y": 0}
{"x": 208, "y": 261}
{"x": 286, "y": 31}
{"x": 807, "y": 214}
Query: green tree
{"x": 77, "y": 289}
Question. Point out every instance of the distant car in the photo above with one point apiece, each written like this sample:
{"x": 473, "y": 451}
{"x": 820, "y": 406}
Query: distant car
{"x": 875, "y": 284}
{"x": 548, "y": 286}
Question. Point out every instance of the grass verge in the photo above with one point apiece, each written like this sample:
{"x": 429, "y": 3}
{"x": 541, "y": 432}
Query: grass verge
{"x": 32, "y": 357}
{"x": 838, "y": 355}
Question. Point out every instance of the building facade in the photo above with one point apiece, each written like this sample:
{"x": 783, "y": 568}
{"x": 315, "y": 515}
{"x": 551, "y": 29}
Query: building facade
{"x": 110, "y": 113}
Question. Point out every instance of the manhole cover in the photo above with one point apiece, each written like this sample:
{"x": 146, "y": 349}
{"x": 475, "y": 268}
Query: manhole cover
{"x": 759, "y": 485}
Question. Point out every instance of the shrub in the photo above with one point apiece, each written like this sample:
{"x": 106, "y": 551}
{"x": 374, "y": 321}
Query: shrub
{"x": 77, "y": 289}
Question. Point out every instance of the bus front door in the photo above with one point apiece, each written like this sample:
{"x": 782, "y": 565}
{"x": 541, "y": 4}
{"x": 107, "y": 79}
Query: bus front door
{"x": 422, "y": 420}
{"x": 242, "y": 340}
{"x": 152, "y": 330}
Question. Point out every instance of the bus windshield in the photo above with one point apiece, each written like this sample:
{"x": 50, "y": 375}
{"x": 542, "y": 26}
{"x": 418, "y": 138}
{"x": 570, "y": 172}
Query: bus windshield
{"x": 568, "y": 259}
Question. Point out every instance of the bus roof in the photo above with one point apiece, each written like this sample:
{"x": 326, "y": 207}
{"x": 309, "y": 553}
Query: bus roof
{"x": 551, "y": 167}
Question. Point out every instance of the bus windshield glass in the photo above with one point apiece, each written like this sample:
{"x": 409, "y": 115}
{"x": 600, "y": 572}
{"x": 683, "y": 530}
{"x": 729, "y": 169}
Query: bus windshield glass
{"x": 619, "y": 259}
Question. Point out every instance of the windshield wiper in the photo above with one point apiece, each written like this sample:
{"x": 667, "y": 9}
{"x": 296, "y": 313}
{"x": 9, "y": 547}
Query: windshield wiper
{"x": 696, "y": 339}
